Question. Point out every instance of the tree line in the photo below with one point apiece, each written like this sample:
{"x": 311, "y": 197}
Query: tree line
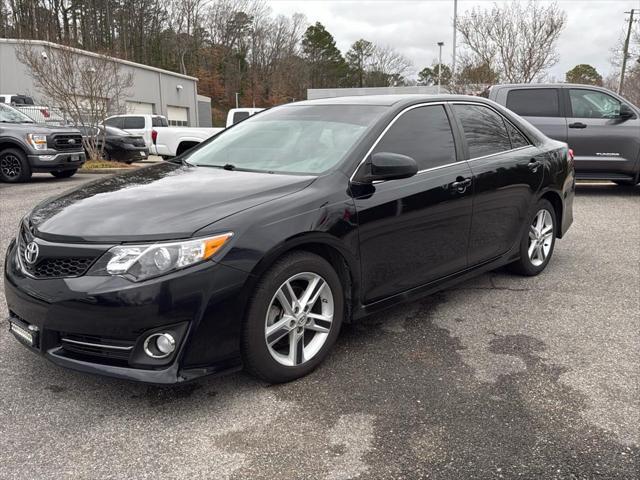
{"x": 232, "y": 46}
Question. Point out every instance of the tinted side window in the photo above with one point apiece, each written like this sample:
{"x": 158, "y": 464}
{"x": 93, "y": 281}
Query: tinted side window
{"x": 133, "y": 123}
{"x": 239, "y": 116}
{"x": 593, "y": 104}
{"x": 517, "y": 138}
{"x": 534, "y": 102}
{"x": 484, "y": 130}
{"x": 114, "y": 122}
{"x": 159, "y": 122}
{"x": 423, "y": 134}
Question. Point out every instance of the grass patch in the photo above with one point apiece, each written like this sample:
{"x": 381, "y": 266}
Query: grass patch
{"x": 105, "y": 164}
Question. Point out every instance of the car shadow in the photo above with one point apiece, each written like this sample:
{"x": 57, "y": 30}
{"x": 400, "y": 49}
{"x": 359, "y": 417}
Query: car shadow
{"x": 608, "y": 189}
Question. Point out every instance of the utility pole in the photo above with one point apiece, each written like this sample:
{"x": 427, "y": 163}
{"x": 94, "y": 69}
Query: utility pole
{"x": 237, "y": 95}
{"x": 440, "y": 44}
{"x": 625, "y": 52}
{"x": 455, "y": 28}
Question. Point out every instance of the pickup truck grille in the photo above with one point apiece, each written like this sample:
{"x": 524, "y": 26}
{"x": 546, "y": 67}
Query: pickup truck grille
{"x": 65, "y": 141}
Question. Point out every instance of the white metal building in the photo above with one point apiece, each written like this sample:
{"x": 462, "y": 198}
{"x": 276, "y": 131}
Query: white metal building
{"x": 154, "y": 91}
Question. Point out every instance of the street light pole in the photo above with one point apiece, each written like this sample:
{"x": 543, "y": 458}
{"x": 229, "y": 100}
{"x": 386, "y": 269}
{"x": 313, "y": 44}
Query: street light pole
{"x": 455, "y": 25}
{"x": 440, "y": 44}
{"x": 237, "y": 95}
{"x": 625, "y": 52}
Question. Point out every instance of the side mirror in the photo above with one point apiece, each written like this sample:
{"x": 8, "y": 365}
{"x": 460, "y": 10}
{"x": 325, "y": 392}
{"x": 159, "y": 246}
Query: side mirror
{"x": 388, "y": 166}
{"x": 626, "y": 112}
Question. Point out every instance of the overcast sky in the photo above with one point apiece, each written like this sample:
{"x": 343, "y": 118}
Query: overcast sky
{"x": 415, "y": 27}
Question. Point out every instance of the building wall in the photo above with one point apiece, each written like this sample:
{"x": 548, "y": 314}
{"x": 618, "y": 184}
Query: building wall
{"x": 150, "y": 85}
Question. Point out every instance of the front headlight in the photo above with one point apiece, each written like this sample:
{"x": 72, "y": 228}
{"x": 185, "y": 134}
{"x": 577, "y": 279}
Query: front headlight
{"x": 39, "y": 142}
{"x": 145, "y": 261}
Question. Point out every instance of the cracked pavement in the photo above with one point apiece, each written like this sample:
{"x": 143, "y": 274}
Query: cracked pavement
{"x": 499, "y": 377}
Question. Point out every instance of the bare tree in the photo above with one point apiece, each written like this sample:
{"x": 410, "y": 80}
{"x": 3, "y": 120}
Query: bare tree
{"x": 388, "y": 68}
{"x": 86, "y": 87}
{"x": 517, "y": 40}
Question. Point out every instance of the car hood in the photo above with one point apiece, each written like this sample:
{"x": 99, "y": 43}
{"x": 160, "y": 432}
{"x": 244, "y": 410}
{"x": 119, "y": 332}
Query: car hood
{"x": 162, "y": 202}
{"x": 38, "y": 128}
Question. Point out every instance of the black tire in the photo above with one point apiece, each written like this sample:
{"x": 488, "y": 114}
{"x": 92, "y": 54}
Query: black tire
{"x": 257, "y": 357}
{"x": 65, "y": 173}
{"x": 526, "y": 265}
{"x": 14, "y": 166}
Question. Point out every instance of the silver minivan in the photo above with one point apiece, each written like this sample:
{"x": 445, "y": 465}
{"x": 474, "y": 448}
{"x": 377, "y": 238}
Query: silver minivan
{"x": 602, "y": 128}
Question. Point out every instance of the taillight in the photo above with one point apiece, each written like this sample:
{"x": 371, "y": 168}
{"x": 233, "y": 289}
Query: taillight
{"x": 570, "y": 158}
{"x": 154, "y": 136}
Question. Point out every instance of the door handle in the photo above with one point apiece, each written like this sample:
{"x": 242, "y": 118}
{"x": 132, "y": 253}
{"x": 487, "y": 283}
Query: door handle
{"x": 534, "y": 165}
{"x": 461, "y": 184}
{"x": 577, "y": 125}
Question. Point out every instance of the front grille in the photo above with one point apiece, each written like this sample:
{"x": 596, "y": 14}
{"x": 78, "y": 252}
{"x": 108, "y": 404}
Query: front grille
{"x": 65, "y": 141}
{"x": 96, "y": 349}
{"x": 50, "y": 266}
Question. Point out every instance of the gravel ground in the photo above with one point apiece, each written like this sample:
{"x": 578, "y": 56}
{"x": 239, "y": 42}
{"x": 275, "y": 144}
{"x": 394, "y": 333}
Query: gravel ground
{"x": 500, "y": 377}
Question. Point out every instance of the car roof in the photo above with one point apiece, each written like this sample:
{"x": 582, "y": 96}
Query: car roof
{"x": 390, "y": 100}
{"x": 549, "y": 85}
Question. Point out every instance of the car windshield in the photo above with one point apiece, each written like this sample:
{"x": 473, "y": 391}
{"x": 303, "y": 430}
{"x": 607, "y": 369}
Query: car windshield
{"x": 11, "y": 115}
{"x": 290, "y": 139}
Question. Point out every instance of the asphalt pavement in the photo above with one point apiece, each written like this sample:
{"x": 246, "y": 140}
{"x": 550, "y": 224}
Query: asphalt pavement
{"x": 500, "y": 377}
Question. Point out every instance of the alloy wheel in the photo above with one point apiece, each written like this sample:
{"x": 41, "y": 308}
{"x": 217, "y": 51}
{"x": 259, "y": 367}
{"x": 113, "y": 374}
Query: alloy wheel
{"x": 299, "y": 319}
{"x": 540, "y": 237}
{"x": 10, "y": 166}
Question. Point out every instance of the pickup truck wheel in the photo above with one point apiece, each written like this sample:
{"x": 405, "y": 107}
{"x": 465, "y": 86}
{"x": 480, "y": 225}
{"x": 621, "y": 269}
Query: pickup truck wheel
{"x": 65, "y": 173}
{"x": 14, "y": 167}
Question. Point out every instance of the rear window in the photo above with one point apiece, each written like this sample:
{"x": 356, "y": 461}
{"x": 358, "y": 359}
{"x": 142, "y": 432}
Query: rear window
{"x": 159, "y": 122}
{"x": 133, "y": 123}
{"x": 534, "y": 102}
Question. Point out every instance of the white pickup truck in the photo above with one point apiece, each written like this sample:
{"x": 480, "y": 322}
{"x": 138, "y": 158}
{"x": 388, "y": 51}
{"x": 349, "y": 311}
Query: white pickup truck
{"x": 167, "y": 141}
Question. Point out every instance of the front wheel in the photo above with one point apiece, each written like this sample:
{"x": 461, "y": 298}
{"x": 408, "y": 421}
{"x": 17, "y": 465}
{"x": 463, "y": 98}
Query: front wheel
{"x": 65, "y": 173}
{"x": 293, "y": 318}
{"x": 538, "y": 241}
{"x": 14, "y": 167}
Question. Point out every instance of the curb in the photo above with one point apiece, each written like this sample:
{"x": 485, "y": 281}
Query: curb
{"x": 106, "y": 171}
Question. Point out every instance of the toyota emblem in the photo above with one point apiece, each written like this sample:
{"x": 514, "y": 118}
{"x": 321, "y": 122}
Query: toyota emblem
{"x": 72, "y": 141}
{"x": 31, "y": 253}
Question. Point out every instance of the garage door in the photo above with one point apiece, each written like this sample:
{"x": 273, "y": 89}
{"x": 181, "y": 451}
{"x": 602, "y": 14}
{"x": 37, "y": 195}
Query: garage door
{"x": 140, "y": 108}
{"x": 178, "y": 116}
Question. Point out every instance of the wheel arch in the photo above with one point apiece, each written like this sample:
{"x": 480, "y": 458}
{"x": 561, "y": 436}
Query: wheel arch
{"x": 326, "y": 246}
{"x": 11, "y": 143}
{"x": 556, "y": 201}
{"x": 185, "y": 145}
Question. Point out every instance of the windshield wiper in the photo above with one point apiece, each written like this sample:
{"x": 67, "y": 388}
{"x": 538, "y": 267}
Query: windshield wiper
{"x": 229, "y": 166}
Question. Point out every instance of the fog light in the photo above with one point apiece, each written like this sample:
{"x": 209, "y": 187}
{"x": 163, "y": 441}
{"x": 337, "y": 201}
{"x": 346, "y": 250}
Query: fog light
{"x": 159, "y": 345}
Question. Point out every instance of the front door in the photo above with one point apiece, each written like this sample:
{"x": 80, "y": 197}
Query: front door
{"x": 506, "y": 174}
{"x": 415, "y": 230}
{"x": 602, "y": 142}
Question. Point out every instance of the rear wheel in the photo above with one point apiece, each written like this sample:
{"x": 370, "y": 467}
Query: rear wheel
{"x": 293, "y": 318}
{"x": 65, "y": 173}
{"x": 14, "y": 167}
{"x": 538, "y": 241}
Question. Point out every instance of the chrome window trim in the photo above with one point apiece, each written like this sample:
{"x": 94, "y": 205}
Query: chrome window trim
{"x": 411, "y": 107}
{"x": 99, "y": 345}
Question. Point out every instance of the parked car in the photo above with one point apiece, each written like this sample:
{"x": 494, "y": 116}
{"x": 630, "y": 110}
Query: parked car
{"x": 27, "y": 147}
{"x": 38, "y": 113}
{"x": 236, "y": 115}
{"x": 118, "y": 144}
{"x": 253, "y": 248}
{"x": 138, "y": 124}
{"x": 602, "y": 128}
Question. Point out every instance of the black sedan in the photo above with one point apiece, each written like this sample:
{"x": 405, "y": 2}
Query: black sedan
{"x": 255, "y": 247}
{"x": 118, "y": 144}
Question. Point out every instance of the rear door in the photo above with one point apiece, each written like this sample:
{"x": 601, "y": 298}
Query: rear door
{"x": 602, "y": 142}
{"x": 415, "y": 230}
{"x": 507, "y": 173}
{"x": 543, "y": 107}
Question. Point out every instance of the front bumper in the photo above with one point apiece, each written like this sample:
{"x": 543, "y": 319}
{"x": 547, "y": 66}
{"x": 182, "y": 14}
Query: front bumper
{"x": 126, "y": 152}
{"x": 200, "y": 303}
{"x": 56, "y": 162}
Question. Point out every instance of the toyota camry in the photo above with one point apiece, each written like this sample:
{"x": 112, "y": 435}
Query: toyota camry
{"x": 254, "y": 248}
